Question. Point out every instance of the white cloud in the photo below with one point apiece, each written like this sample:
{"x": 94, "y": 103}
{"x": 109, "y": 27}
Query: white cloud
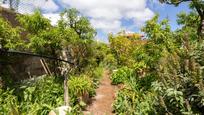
{"x": 107, "y": 15}
{"x": 48, "y": 6}
{"x": 106, "y": 26}
{"x": 102, "y": 13}
{"x": 141, "y": 16}
{"x": 52, "y": 17}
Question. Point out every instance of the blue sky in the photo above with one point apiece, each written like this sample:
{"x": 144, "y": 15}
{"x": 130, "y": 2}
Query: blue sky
{"x": 171, "y": 11}
{"x": 108, "y": 15}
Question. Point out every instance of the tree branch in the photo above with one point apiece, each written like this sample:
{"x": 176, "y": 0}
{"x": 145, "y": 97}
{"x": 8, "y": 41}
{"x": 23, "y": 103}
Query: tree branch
{"x": 176, "y": 3}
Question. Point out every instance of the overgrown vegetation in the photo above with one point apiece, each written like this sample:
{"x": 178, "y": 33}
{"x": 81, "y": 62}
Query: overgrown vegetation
{"x": 159, "y": 74}
{"x": 79, "y": 87}
{"x": 33, "y": 97}
{"x": 74, "y": 35}
{"x": 168, "y": 69}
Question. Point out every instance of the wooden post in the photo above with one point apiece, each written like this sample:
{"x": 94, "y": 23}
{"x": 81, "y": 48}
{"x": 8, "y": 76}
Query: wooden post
{"x": 202, "y": 31}
{"x": 65, "y": 75}
{"x": 66, "y": 95}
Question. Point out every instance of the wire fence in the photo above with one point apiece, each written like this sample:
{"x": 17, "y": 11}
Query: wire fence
{"x": 22, "y": 6}
{"x": 3, "y": 52}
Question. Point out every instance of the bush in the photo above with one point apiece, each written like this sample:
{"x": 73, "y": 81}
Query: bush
{"x": 110, "y": 61}
{"x": 121, "y": 75}
{"x": 78, "y": 87}
{"x": 33, "y": 97}
{"x": 130, "y": 102}
{"x": 97, "y": 72}
{"x": 96, "y": 75}
{"x": 7, "y": 101}
{"x": 40, "y": 96}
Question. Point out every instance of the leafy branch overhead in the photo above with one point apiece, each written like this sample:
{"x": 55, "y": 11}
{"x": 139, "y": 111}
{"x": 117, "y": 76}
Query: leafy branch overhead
{"x": 198, "y": 5}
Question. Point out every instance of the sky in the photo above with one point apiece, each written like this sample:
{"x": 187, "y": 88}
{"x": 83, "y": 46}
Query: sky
{"x": 108, "y": 16}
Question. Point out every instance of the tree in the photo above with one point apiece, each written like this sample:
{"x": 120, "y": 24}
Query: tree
{"x": 172, "y": 67}
{"x": 198, "y": 5}
{"x": 66, "y": 41}
{"x": 48, "y": 40}
{"x": 123, "y": 45}
{"x": 79, "y": 49}
{"x": 34, "y": 23}
{"x": 71, "y": 18}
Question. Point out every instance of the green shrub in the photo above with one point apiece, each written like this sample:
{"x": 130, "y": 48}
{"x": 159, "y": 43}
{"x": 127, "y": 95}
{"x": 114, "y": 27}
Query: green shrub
{"x": 110, "y": 61}
{"x": 78, "y": 86}
{"x": 121, "y": 75}
{"x": 35, "y": 97}
{"x": 96, "y": 75}
{"x": 41, "y": 96}
{"x": 130, "y": 102}
{"x": 8, "y": 101}
{"x": 97, "y": 72}
{"x": 177, "y": 101}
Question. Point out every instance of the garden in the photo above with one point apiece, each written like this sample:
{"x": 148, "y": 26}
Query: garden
{"x": 158, "y": 73}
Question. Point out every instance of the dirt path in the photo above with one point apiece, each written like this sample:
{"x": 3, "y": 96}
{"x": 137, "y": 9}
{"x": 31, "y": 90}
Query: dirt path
{"x": 102, "y": 102}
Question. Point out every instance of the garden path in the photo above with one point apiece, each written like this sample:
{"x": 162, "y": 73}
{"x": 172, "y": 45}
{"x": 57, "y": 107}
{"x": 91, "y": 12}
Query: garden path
{"x": 105, "y": 94}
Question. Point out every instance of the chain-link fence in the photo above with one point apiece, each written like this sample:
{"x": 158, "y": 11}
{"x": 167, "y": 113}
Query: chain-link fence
{"x": 22, "y": 6}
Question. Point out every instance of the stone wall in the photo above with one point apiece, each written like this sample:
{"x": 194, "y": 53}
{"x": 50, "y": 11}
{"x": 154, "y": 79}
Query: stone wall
{"x": 21, "y": 68}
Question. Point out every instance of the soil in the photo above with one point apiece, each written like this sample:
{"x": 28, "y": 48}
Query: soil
{"x": 102, "y": 102}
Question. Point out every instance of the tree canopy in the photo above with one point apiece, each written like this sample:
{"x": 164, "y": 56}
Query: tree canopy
{"x": 198, "y": 5}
